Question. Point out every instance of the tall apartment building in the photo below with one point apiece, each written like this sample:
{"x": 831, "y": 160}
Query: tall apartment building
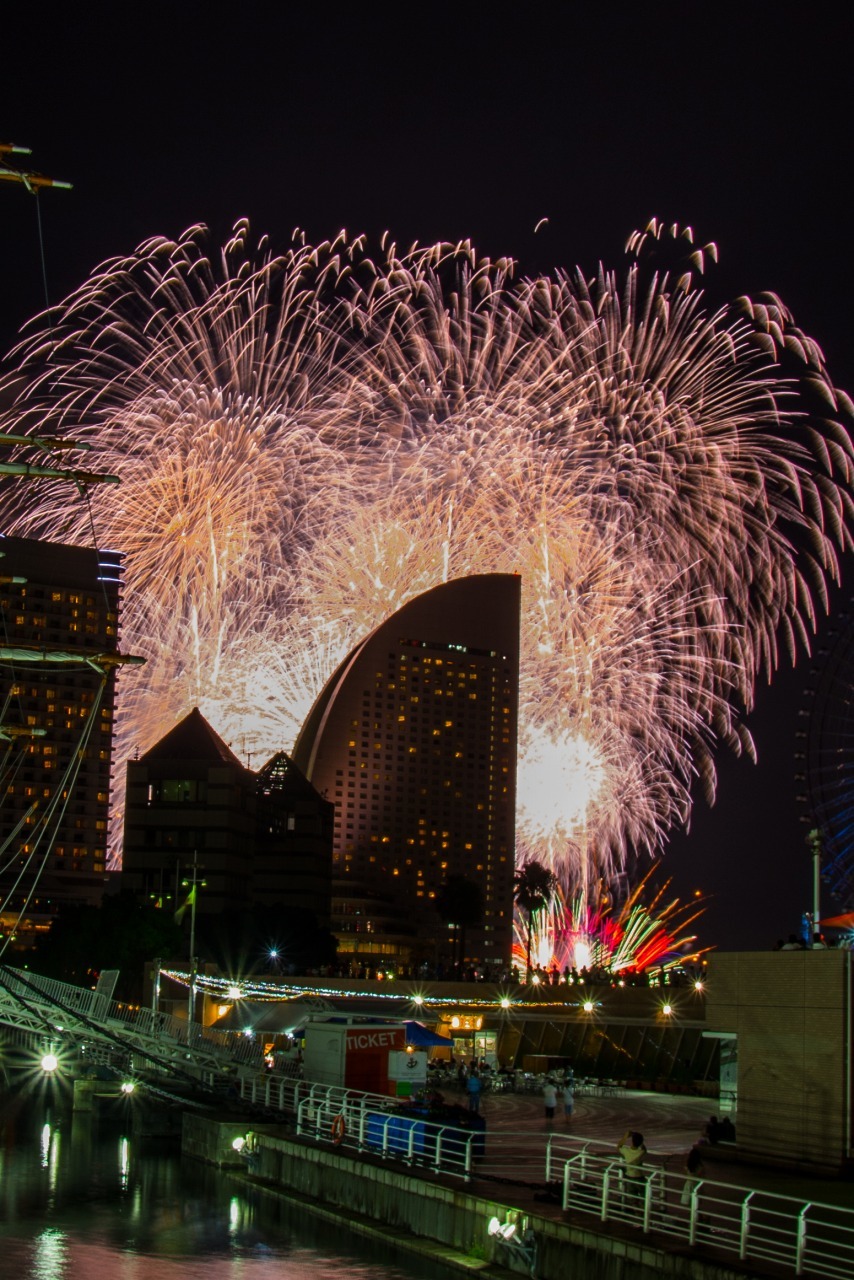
{"x": 56, "y": 727}
{"x": 414, "y": 739}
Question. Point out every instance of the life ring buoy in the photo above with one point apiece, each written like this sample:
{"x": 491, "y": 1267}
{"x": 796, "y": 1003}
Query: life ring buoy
{"x": 339, "y": 1128}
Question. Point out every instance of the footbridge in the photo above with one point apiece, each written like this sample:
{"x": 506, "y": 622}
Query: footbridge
{"x": 87, "y": 1025}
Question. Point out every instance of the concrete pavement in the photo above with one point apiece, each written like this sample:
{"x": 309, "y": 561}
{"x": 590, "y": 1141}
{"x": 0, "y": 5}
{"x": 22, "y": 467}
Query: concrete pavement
{"x": 670, "y": 1123}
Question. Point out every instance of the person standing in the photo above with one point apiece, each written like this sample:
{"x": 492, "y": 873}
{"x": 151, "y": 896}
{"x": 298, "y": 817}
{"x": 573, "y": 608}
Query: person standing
{"x": 550, "y": 1099}
{"x": 473, "y": 1091}
{"x": 631, "y": 1148}
{"x": 694, "y": 1173}
{"x": 568, "y": 1099}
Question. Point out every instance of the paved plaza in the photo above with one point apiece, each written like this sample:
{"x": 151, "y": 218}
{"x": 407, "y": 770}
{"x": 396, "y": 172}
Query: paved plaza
{"x": 670, "y": 1124}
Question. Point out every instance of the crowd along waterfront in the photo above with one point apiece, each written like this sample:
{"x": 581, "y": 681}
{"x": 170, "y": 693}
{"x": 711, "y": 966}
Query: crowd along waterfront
{"x": 84, "y": 1200}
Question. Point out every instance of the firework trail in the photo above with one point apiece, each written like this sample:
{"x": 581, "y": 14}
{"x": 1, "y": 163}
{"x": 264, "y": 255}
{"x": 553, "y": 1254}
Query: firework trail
{"x": 636, "y": 935}
{"x": 306, "y": 441}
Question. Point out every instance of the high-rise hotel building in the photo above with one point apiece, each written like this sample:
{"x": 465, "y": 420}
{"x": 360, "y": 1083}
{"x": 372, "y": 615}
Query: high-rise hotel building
{"x": 56, "y": 726}
{"x": 414, "y": 739}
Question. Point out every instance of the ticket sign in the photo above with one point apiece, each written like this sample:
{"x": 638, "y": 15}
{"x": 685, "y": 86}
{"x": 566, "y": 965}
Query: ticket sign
{"x": 367, "y": 1060}
{"x": 373, "y": 1039}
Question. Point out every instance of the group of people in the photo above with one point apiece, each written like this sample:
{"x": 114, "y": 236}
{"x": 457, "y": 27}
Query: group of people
{"x": 556, "y": 1092}
{"x": 818, "y": 942}
{"x": 632, "y": 1151}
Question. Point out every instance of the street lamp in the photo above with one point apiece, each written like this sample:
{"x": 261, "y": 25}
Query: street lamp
{"x": 194, "y": 884}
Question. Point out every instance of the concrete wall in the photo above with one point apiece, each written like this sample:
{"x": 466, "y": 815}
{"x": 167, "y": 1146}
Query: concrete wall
{"x": 415, "y": 1210}
{"x": 790, "y": 1012}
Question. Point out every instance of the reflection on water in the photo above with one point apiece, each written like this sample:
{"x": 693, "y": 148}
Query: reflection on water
{"x": 80, "y": 1199}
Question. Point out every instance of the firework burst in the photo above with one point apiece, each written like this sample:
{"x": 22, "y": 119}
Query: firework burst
{"x": 636, "y": 937}
{"x": 307, "y": 441}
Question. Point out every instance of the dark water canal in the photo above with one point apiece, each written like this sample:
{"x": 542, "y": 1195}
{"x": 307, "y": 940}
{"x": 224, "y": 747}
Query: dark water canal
{"x": 80, "y": 1199}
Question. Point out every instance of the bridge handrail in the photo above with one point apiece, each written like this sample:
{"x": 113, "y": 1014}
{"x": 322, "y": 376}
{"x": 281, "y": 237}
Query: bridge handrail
{"x": 154, "y": 1027}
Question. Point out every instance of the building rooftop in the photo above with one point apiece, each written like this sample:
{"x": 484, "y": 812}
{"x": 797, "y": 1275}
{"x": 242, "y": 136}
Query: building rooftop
{"x": 192, "y": 739}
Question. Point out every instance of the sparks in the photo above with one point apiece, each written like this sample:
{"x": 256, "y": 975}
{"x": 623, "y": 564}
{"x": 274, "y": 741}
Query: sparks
{"x": 636, "y": 937}
{"x": 307, "y": 441}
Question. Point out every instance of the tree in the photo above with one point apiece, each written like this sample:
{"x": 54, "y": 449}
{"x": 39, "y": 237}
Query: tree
{"x": 460, "y": 904}
{"x": 240, "y": 940}
{"x": 534, "y": 886}
{"x": 123, "y": 933}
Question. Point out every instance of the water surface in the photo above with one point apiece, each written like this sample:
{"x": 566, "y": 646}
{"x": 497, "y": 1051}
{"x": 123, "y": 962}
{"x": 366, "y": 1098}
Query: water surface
{"x": 80, "y": 1199}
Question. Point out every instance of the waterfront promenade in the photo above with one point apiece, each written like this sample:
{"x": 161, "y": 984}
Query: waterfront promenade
{"x": 733, "y": 1229}
{"x": 670, "y": 1123}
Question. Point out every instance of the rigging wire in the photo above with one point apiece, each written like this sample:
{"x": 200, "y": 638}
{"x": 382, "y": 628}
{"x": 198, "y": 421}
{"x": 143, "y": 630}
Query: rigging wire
{"x": 57, "y": 805}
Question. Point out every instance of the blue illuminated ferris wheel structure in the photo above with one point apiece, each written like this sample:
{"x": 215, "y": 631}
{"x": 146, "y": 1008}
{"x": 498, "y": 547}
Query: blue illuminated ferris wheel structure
{"x": 827, "y": 755}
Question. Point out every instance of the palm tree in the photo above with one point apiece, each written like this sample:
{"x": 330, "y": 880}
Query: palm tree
{"x": 460, "y": 904}
{"x": 533, "y": 889}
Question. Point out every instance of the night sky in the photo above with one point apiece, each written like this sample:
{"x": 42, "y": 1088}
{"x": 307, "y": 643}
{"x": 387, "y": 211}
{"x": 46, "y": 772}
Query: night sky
{"x": 444, "y": 122}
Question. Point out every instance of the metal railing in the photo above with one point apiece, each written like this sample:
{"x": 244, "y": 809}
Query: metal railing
{"x": 32, "y": 1002}
{"x": 367, "y": 1124}
{"x": 582, "y": 1176}
{"x": 810, "y": 1238}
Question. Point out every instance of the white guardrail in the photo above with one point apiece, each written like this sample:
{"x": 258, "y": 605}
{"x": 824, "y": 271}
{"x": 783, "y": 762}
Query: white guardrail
{"x": 31, "y": 1001}
{"x": 807, "y": 1238}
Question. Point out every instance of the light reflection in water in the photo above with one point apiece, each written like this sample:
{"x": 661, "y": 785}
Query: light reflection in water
{"x": 45, "y": 1144}
{"x": 82, "y": 1201}
{"x": 50, "y": 1255}
{"x": 233, "y": 1215}
{"x": 53, "y": 1158}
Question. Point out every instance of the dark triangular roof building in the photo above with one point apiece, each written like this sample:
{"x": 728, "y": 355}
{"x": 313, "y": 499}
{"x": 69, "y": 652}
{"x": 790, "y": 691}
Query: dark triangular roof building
{"x": 254, "y": 837}
{"x": 192, "y": 739}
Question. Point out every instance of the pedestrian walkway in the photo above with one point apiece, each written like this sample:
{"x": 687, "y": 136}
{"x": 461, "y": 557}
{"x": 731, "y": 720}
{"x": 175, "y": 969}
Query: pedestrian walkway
{"x": 670, "y": 1123}
{"x": 566, "y": 1178}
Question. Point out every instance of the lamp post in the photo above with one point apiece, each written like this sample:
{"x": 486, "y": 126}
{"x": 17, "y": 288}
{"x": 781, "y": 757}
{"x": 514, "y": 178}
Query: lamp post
{"x": 194, "y": 884}
{"x": 814, "y": 842}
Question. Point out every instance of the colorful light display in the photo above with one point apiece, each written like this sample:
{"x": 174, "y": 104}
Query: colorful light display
{"x": 307, "y": 440}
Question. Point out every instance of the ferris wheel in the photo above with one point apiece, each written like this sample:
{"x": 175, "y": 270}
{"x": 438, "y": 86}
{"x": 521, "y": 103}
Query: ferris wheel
{"x": 828, "y": 755}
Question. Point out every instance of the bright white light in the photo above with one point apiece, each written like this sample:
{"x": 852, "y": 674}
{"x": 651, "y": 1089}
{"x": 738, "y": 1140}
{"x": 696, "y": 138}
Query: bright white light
{"x": 582, "y": 955}
{"x": 50, "y": 1255}
{"x": 238, "y": 1144}
{"x": 128, "y": 1086}
{"x": 667, "y": 1009}
{"x": 234, "y": 993}
{"x": 588, "y": 1006}
{"x": 419, "y": 1000}
{"x": 505, "y": 1003}
{"x": 558, "y": 780}
{"x": 543, "y": 948}
{"x": 494, "y": 1227}
{"x": 49, "y": 1062}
